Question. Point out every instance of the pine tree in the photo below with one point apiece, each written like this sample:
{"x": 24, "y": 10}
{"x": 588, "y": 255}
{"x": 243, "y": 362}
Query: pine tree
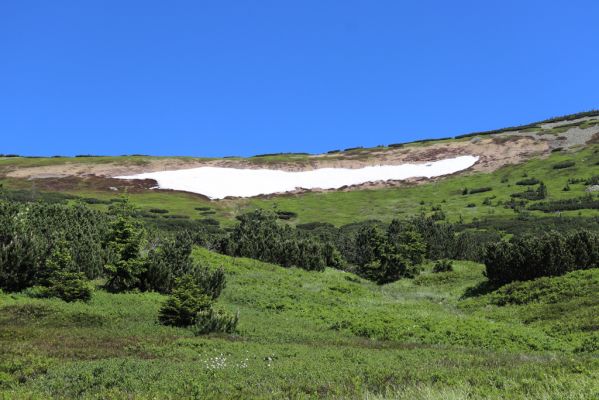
{"x": 124, "y": 245}
{"x": 61, "y": 280}
{"x": 185, "y": 303}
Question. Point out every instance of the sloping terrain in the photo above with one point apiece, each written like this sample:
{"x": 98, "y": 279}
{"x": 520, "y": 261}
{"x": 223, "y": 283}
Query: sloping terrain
{"x": 308, "y": 329}
{"x": 496, "y": 149}
{"x": 505, "y": 157}
{"x": 307, "y": 335}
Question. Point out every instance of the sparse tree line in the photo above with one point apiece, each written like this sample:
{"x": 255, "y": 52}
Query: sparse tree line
{"x": 387, "y": 252}
{"x": 379, "y": 252}
{"x": 259, "y": 235}
{"x": 588, "y": 202}
{"x": 53, "y": 250}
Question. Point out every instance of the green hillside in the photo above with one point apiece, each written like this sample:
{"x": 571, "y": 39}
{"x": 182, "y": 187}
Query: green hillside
{"x": 479, "y": 285}
{"x": 307, "y": 335}
{"x": 343, "y": 207}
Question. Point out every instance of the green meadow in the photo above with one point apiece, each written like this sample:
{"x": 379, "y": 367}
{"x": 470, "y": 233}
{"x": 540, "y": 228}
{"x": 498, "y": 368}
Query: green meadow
{"x": 314, "y": 335}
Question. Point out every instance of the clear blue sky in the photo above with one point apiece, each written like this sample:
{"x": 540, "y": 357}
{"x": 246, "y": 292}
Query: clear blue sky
{"x": 224, "y": 77}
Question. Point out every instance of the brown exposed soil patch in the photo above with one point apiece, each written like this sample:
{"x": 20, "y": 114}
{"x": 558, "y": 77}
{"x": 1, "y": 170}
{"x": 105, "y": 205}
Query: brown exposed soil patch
{"x": 493, "y": 154}
{"x": 70, "y": 183}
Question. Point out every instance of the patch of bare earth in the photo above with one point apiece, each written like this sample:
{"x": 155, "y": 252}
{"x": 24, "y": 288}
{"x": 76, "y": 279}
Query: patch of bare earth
{"x": 493, "y": 154}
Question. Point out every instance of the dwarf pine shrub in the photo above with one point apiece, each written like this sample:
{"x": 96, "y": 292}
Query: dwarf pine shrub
{"x": 186, "y": 303}
{"x": 443, "y": 266}
{"x": 215, "y": 320}
{"x": 69, "y": 286}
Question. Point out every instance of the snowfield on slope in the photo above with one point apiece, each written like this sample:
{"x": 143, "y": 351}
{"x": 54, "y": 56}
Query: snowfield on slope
{"x": 219, "y": 182}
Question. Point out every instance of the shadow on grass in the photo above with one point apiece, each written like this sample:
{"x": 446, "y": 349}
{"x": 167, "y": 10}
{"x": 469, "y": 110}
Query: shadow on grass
{"x": 480, "y": 289}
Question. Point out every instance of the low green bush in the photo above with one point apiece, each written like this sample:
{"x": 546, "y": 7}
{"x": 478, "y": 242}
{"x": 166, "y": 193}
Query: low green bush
{"x": 547, "y": 290}
{"x": 158, "y": 211}
{"x": 466, "y": 191}
{"x": 69, "y": 286}
{"x": 92, "y": 200}
{"x": 209, "y": 221}
{"x": 528, "y": 182}
{"x": 215, "y": 321}
{"x": 354, "y": 148}
{"x": 443, "y": 266}
{"x": 185, "y": 304}
{"x": 286, "y": 215}
{"x": 564, "y": 164}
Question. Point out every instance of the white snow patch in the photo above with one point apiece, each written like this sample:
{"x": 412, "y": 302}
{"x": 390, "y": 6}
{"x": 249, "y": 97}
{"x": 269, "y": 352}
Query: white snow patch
{"x": 218, "y": 182}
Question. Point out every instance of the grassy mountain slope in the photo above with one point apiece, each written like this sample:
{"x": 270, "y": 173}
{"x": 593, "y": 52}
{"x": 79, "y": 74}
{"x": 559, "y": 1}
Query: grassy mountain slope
{"x": 305, "y": 334}
{"x": 568, "y": 138}
{"x": 329, "y": 334}
{"x": 341, "y": 207}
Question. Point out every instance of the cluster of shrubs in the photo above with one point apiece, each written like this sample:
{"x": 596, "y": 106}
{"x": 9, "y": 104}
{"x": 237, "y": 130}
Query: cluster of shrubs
{"x": 354, "y": 148}
{"x": 388, "y": 256}
{"x": 579, "y": 203}
{"x": 258, "y": 235}
{"x": 467, "y": 191}
{"x": 593, "y": 180}
{"x": 55, "y": 250}
{"x": 514, "y": 204}
{"x": 34, "y": 196}
{"x": 376, "y": 251}
{"x": 532, "y": 256}
{"x": 532, "y": 194}
{"x": 31, "y": 232}
{"x": 168, "y": 268}
{"x": 440, "y": 239}
{"x": 93, "y": 200}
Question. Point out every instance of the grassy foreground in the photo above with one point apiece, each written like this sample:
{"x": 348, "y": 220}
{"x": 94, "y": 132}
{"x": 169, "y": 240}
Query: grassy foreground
{"x": 306, "y": 334}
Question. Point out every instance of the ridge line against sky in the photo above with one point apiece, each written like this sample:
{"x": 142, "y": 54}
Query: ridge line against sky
{"x": 238, "y": 78}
